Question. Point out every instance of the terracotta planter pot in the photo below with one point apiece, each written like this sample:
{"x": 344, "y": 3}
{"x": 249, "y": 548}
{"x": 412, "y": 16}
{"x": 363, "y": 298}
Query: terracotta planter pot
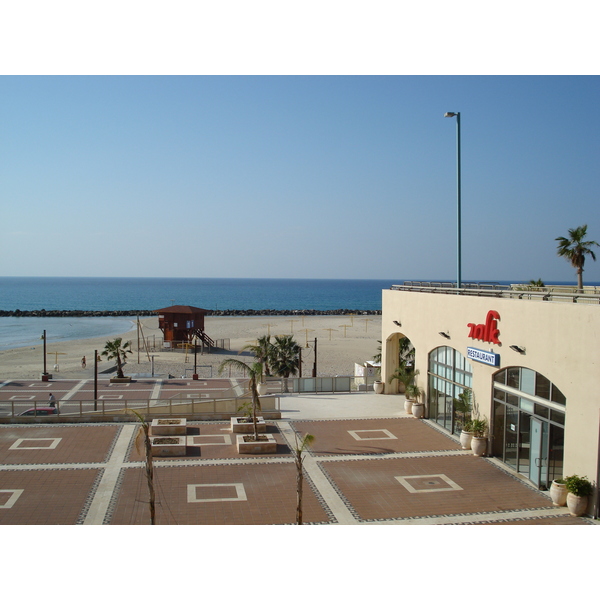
{"x": 418, "y": 410}
{"x": 408, "y": 406}
{"x": 558, "y": 493}
{"x": 465, "y": 440}
{"x": 479, "y": 446}
{"x": 577, "y": 505}
{"x": 378, "y": 387}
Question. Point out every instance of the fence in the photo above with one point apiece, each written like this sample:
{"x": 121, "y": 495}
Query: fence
{"x": 217, "y": 404}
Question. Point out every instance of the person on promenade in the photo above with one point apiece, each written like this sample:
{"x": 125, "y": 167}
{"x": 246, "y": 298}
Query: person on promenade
{"x": 83, "y": 363}
{"x": 51, "y": 400}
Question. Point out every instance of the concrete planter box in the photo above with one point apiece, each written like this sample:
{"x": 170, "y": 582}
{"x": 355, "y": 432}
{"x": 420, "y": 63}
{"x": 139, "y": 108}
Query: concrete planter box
{"x": 120, "y": 379}
{"x": 269, "y": 446}
{"x": 237, "y": 427}
{"x": 169, "y": 426}
{"x": 175, "y": 448}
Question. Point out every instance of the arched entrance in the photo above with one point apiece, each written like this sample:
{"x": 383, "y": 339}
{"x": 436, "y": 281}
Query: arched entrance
{"x": 449, "y": 374}
{"x": 399, "y": 353}
{"x": 528, "y": 423}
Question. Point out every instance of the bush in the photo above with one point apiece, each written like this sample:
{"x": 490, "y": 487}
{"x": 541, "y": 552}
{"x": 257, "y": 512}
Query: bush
{"x": 578, "y": 486}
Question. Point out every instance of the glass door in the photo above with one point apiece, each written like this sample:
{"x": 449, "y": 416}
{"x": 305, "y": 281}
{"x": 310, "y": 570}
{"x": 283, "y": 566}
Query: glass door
{"x": 538, "y": 453}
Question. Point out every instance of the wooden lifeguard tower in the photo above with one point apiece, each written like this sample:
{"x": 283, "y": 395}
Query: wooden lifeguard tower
{"x": 180, "y": 324}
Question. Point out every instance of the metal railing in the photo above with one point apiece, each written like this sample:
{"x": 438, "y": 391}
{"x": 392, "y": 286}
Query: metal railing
{"x": 589, "y": 295}
{"x": 193, "y": 404}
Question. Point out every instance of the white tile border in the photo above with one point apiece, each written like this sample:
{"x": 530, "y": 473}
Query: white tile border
{"x": 28, "y": 398}
{"x": 226, "y": 440}
{"x": 388, "y": 436}
{"x": 13, "y": 498}
{"x": 111, "y": 397}
{"x": 17, "y": 445}
{"x": 239, "y": 488}
{"x": 451, "y": 485}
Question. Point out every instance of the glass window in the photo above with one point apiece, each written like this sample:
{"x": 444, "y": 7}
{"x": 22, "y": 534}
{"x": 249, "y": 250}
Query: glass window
{"x": 526, "y": 405}
{"x": 510, "y": 436}
{"x": 541, "y": 411}
{"x": 542, "y": 386}
{"x": 557, "y": 417}
{"x": 512, "y": 377}
{"x": 527, "y": 381}
{"x": 558, "y": 396}
{"x": 514, "y": 400}
{"x": 500, "y": 377}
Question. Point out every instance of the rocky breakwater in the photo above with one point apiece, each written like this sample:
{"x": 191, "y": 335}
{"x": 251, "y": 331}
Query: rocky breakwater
{"x": 77, "y": 313}
{"x": 214, "y": 313}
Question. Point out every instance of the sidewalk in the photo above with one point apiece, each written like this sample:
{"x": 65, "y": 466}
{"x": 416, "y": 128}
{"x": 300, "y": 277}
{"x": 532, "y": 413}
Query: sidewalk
{"x": 369, "y": 464}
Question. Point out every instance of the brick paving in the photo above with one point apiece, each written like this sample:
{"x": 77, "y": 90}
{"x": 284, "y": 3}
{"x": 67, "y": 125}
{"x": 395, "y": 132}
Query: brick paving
{"x": 374, "y": 493}
{"x": 56, "y": 444}
{"x": 394, "y": 470}
{"x": 269, "y": 492}
{"x": 374, "y": 436}
{"x": 46, "y": 497}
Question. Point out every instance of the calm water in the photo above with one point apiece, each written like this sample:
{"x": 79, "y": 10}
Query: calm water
{"x": 71, "y": 293}
{"x": 99, "y": 293}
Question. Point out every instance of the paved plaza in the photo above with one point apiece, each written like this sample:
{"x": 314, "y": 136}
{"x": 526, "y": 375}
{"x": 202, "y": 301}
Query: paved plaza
{"x": 369, "y": 464}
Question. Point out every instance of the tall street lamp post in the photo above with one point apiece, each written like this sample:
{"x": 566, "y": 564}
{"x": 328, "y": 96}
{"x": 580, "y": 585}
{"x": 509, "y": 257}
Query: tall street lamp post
{"x": 458, "y": 264}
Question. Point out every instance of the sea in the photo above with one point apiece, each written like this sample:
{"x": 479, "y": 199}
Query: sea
{"x": 115, "y": 294}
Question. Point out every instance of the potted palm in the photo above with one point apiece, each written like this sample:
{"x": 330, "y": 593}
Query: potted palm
{"x": 578, "y": 488}
{"x": 415, "y": 392}
{"x": 466, "y": 435}
{"x": 479, "y": 442}
{"x": 405, "y": 378}
{"x": 462, "y": 405}
{"x": 253, "y": 443}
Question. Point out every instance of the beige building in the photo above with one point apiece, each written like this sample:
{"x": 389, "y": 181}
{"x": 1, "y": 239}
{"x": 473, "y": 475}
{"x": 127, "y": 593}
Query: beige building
{"x": 531, "y": 359}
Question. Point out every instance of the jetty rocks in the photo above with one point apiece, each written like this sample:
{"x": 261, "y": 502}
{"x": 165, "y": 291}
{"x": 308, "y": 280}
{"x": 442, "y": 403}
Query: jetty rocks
{"x": 214, "y": 313}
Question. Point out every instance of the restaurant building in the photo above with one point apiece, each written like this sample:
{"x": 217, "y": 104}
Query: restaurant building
{"x": 531, "y": 359}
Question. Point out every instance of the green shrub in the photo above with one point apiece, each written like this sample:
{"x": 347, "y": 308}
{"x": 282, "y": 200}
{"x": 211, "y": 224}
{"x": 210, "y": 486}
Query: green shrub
{"x": 579, "y": 486}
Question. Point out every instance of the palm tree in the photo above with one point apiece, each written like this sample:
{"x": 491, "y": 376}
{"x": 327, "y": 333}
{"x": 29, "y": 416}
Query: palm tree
{"x": 144, "y": 432}
{"x": 539, "y": 283}
{"x": 118, "y": 351}
{"x": 405, "y": 376}
{"x": 286, "y": 357}
{"x": 254, "y": 372}
{"x": 575, "y": 249}
{"x": 263, "y": 350}
{"x": 301, "y": 445}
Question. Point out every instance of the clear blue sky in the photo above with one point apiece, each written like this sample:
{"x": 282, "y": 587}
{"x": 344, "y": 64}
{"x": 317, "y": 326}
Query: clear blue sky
{"x": 296, "y": 176}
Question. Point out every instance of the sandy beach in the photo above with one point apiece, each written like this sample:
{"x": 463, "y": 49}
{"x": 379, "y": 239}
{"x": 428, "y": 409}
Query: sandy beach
{"x": 342, "y": 342}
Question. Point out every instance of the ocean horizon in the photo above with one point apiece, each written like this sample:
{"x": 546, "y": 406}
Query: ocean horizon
{"x": 147, "y": 294}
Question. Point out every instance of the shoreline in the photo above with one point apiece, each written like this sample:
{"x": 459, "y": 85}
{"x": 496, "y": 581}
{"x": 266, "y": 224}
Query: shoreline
{"x": 209, "y": 313}
{"x": 342, "y": 341}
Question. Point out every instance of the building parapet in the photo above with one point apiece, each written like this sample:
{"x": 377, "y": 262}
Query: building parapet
{"x": 555, "y": 293}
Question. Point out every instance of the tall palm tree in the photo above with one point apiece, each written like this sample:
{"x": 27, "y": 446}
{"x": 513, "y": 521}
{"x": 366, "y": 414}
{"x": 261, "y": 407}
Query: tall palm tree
{"x": 301, "y": 445}
{"x": 263, "y": 350}
{"x": 118, "y": 351}
{"x": 575, "y": 248}
{"x": 254, "y": 372}
{"x": 286, "y": 357}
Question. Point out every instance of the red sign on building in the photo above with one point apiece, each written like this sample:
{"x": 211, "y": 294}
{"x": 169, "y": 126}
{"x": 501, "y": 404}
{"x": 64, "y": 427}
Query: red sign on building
{"x": 488, "y": 331}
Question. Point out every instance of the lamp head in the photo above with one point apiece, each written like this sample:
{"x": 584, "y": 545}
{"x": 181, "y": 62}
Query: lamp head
{"x": 451, "y": 114}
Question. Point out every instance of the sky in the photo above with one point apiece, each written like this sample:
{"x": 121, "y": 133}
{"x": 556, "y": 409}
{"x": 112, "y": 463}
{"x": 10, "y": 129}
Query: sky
{"x": 295, "y": 175}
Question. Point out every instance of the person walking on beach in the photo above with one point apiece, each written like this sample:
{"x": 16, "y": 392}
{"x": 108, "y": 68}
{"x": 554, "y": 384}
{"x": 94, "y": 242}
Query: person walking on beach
{"x": 83, "y": 363}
